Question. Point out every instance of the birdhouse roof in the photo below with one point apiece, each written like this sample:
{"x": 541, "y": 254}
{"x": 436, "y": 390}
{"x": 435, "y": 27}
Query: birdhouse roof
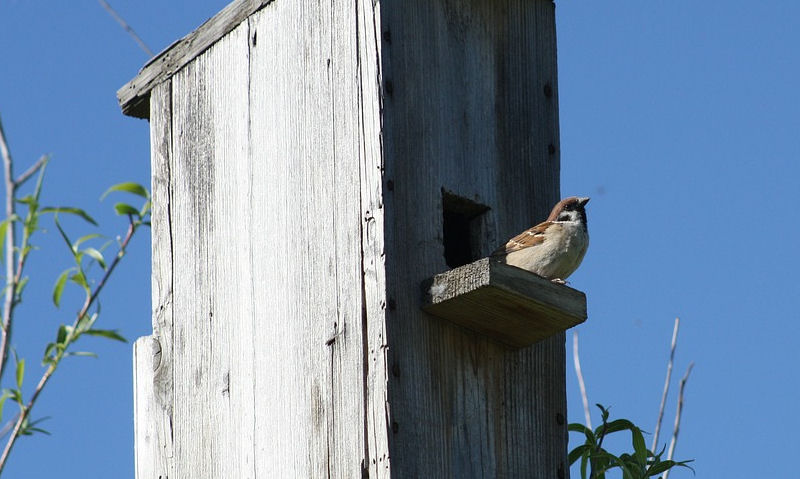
{"x": 134, "y": 96}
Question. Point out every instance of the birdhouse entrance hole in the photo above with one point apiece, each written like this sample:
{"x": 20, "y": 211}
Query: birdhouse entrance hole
{"x": 462, "y": 229}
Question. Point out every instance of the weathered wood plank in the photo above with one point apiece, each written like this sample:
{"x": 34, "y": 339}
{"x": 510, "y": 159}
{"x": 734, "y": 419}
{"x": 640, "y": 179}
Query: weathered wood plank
{"x": 508, "y": 304}
{"x": 377, "y": 368}
{"x": 154, "y": 387}
{"x": 304, "y": 146}
{"x": 465, "y": 109}
{"x": 282, "y": 426}
{"x": 339, "y": 42}
{"x": 150, "y": 417}
{"x": 213, "y": 287}
{"x": 134, "y": 96}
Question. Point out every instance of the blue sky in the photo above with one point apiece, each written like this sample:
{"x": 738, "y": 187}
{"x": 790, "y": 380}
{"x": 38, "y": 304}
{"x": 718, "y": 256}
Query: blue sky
{"x": 680, "y": 119}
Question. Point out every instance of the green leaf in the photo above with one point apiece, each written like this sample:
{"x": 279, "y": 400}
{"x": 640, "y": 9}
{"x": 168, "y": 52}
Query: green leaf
{"x": 27, "y": 200}
{"x": 38, "y": 189}
{"x": 603, "y": 412}
{"x": 80, "y": 279}
{"x": 96, "y": 255}
{"x": 61, "y": 337}
{"x": 617, "y": 462}
{"x": 584, "y": 463}
{"x": 128, "y": 187}
{"x": 85, "y": 323}
{"x": 663, "y": 450}
{"x": 640, "y": 449}
{"x": 124, "y": 209}
{"x": 58, "y": 289}
{"x": 106, "y": 333}
{"x": 6, "y": 395}
{"x": 28, "y": 428}
{"x": 48, "y": 355}
{"x": 29, "y": 431}
{"x": 14, "y": 394}
{"x": 578, "y": 452}
{"x": 3, "y": 232}
{"x": 146, "y": 208}
{"x": 616, "y": 426}
{"x": 21, "y": 285}
{"x": 658, "y": 468}
{"x": 65, "y": 237}
{"x": 20, "y": 372}
{"x": 664, "y": 466}
{"x": 72, "y": 211}
{"x": 578, "y": 427}
{"x": 88, "y": 237}
{"x": 31, "y": 223}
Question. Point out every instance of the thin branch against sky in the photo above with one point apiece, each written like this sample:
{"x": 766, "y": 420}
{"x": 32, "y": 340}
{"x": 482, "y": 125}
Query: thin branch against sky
{"x": 125, "y": 26}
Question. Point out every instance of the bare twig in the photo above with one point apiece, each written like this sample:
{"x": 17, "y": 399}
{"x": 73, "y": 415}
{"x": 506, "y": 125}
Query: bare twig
{"x": 666, "y": 383}
{"x": 678, "y": 416}
{"x": 577, "y": 361}
{"x": 10, "y": 243}
{"x": 52, "y": 366}
{"x": 30, "y": 171}
{"x": 125, "y": 26}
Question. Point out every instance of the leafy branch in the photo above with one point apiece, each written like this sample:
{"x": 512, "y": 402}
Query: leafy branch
{"x": 643, "y": 462}
{"x": 596, "y": 460}
{"x": 83, "y": 256}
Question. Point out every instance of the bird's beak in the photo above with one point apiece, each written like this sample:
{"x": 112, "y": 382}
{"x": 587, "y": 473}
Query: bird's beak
{"x": 583, "y": 201}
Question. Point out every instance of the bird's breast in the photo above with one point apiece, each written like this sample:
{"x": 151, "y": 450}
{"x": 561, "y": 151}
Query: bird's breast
{"x": 558, "y": 256}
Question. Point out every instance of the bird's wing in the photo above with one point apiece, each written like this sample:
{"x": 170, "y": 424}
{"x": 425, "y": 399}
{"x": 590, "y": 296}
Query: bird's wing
{"x": 530, "y": 237}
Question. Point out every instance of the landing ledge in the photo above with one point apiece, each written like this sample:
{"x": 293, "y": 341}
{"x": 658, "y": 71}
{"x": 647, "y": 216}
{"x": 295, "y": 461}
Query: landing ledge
{"x": 503, "y": 302}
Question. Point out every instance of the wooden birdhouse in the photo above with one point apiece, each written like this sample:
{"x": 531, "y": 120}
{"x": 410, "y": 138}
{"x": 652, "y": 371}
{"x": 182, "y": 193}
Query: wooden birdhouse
{"x": 320, "y": 171}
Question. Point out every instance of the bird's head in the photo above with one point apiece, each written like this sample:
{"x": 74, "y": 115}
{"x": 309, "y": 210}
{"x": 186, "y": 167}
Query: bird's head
{"x": 570, "y": 209}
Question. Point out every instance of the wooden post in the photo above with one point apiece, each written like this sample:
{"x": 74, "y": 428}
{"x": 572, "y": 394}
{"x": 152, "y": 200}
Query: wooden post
{"x": 313, "y": 165}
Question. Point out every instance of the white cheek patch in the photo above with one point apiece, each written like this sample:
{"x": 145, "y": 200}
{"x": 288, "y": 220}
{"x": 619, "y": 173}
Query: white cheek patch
{"x": 568, "y": 216}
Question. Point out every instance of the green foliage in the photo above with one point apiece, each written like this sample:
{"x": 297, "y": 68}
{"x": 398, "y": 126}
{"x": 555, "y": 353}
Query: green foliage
{"x": 596, "y": 461}
{"x": 29, "y": 427}
{"x": 83, "y": 255}
{"x": 16, "y": 234}
{"x": 83, "y": 258}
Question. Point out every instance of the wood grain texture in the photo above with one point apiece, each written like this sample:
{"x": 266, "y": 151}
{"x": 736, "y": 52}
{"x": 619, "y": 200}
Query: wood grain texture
{"x": 149, "y": 414}
{"x": 134, "y": 96}
{"x": 508, "y": 304}
{"x": 376, "y": 370}
{"x": 213, "y": 281}
{"x": 266, "y": 319}
{"x": 305, "y": 149}
{"x": 467, "y": 109}
{"x": 153, "y": 392}
{"x": 308, "y": 149}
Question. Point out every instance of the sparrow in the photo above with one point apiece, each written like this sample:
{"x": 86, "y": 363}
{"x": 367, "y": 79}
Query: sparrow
{"x": 553, "y": 249}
